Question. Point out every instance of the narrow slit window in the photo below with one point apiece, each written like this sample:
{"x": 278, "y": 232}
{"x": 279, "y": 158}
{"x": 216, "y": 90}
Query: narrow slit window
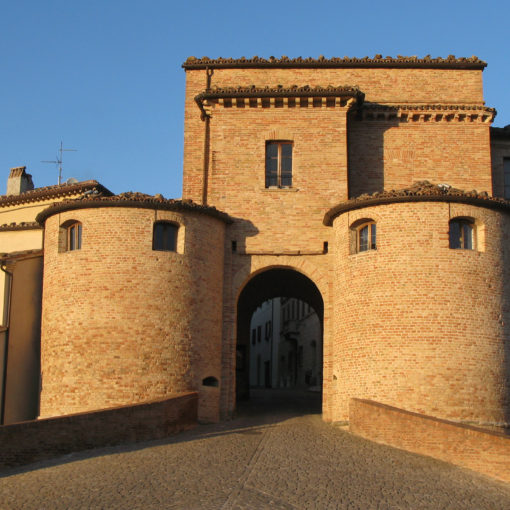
{"x": 74, "y": 232}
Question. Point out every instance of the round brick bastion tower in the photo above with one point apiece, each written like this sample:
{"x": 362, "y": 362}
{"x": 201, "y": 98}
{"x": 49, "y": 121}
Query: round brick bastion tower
{"x": 422, "y": 322}
{"x": 132, "y": 303}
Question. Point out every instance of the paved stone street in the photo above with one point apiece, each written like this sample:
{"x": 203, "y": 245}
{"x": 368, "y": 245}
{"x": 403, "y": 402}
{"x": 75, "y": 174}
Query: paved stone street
{"x": 270, "y": 456}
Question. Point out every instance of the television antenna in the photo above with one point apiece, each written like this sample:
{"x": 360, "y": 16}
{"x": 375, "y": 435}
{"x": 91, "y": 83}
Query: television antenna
{"x": 59, "y": 160}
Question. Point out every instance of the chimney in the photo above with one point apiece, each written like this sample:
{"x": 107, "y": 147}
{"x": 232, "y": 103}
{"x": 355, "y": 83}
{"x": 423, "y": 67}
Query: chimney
{"x": 19, "y": 181}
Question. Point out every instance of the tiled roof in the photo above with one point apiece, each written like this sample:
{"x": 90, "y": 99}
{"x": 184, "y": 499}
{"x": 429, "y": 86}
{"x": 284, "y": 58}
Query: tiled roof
{"x": 56, "y": 191}
{"x": 24, "y": 225}
{"x": 134, "y": 200}
{"x": 450, "y": 62}
{"x": 422, "y": 191}
{"x": 280, "y": 91}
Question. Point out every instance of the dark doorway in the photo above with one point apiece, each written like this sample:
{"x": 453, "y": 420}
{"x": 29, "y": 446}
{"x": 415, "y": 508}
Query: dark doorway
{"x": 279, "y": 338}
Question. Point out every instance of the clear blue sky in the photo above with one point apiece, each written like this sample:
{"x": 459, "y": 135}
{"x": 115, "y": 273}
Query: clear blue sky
{"x": 105, "y": 76}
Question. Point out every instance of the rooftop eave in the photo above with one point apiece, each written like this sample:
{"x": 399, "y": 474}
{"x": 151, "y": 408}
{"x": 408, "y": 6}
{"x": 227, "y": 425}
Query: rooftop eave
{"x": 52, "y": 192}
{"x": 428, "y": 193}
{"x": 132, "y": 200}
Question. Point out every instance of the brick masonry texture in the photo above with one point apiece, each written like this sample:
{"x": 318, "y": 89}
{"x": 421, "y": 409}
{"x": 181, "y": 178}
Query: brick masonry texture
{"x": 123, "y": 323}
{"x": 418, "y": 322}
{"x": 27, "y": 442}
{"x": 474, "y": 448}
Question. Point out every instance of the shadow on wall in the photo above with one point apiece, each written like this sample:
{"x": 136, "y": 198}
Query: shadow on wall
{"x": 365, "y": 134}
{"x": 239, "y": 231}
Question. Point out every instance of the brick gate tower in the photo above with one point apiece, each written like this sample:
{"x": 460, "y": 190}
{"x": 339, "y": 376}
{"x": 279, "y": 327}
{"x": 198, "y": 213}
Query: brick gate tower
{"x": 372, "y": 189}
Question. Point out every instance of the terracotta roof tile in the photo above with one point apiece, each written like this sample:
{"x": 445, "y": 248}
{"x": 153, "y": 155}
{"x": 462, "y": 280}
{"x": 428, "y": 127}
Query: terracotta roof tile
{"x": 422, "y": 191}
{"x": 450, "y": 62}
{"x": 131, "y": 199}
{"x": 55, "y": 191}
{"x": 24, "y": 225}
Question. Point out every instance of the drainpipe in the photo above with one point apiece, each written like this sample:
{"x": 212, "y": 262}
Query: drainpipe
{"x": 8, "y": 277}
{"x": 207, "y": 136}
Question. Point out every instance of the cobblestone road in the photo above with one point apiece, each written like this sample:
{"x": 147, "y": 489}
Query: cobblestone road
{"x": 274, "y": 459}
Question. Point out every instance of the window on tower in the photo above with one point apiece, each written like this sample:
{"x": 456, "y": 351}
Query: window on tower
{"x": 278, "y": 164}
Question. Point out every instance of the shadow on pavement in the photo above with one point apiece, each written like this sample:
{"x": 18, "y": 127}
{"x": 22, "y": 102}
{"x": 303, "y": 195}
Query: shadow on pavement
{"x": 265, "y": 408}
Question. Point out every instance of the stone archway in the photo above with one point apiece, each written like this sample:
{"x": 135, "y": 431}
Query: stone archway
{"x": 276, "y": 282}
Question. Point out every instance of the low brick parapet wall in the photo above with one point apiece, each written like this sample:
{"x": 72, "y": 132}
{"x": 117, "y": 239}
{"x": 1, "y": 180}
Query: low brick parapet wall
{"x": 471, "y": 447}
{"x": 31, "y": 441}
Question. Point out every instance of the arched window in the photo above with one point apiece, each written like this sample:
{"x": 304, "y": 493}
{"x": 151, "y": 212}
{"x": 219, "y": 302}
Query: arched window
{"x": 70, "y": 236}
{"x": 164, "y": 236}
{"x": 363, "y": 236}
{"x": 462, "y": 234}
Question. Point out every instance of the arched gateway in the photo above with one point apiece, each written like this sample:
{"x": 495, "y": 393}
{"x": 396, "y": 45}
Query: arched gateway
{"x": 263, "y": 286}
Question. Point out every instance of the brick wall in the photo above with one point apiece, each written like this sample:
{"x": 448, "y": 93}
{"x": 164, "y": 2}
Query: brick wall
{"x": 417, "y": 148}
{"x": 417, "y": 324}
{"x": 123, "y": 323}
{"x": 394, "y": 155}
{"x": 31, "y": 441}
{"x": 474, "y": 448}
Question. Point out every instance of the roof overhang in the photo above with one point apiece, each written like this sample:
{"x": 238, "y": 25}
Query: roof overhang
{"x": 420, "y": 192}
{"x": 427, "y": 62}
{"x": 134, "y": 201}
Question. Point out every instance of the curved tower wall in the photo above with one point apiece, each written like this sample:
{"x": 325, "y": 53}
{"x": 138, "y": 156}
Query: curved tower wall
{"x": 123, "y": 323}
{"x": 419, "y": 325}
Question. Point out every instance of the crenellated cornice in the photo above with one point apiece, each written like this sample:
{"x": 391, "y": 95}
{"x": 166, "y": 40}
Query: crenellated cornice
{"x": 427, "y": 62}
{"x": 279, "y": 96}
{"x": 427, "y": 113}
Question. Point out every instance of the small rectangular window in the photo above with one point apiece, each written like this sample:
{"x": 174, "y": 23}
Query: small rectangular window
{"x": 278, "y": 164}
{"x": 164, "y": 236}
{"x": 462, "y": 234}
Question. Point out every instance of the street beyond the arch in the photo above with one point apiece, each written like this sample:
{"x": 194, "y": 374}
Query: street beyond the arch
{"x": 277, "y": 453}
